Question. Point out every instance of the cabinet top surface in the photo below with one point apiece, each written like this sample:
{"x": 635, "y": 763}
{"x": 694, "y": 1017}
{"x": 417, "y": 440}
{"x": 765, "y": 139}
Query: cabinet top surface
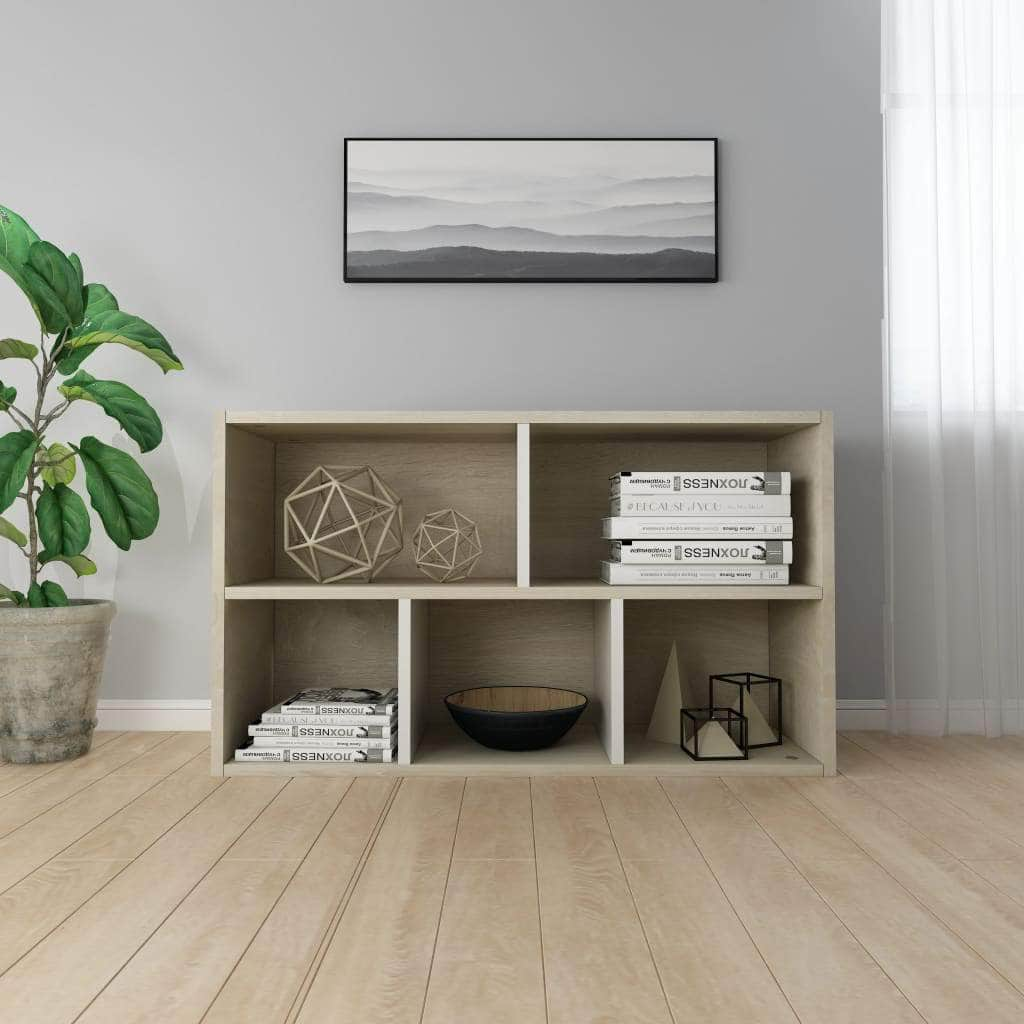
{"x": 595, "y": 416}
{"x": 306, "y": 424}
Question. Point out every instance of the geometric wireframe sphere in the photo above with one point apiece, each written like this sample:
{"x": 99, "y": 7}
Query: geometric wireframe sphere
{"x": 446, "y": 545}
{"x": 342, "y": 522}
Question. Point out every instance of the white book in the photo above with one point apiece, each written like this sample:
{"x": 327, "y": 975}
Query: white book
{"x": 341, "y": 700}
{"x": 697, "y": 552}
{"x": 275, "y": 716}
{"x": 696, "y": 527}
{"x": 700, "y": 575}
{"x": 313, "y": 754}
{"x": 356, "y": 732}
{"x": 701, "y": 505}
{"x": 674, "y": 482}
{"x": 336, "y": 742}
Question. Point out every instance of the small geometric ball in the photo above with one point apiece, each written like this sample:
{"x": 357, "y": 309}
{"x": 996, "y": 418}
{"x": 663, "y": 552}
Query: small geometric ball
{"x": 446, "y": 545}
{"x": 342, "y": 522}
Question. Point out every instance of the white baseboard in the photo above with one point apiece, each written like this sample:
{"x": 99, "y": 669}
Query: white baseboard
{"x": 194, "y": 715}
{"x": 863, "y": 715}
{"x": 117, "y": 715}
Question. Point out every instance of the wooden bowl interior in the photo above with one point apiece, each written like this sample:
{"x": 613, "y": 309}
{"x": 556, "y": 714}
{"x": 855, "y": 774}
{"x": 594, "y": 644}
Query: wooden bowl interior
{"x": 517, "y": 698}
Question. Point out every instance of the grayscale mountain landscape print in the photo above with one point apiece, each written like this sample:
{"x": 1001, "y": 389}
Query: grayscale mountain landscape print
{"x": 530, "y": 210}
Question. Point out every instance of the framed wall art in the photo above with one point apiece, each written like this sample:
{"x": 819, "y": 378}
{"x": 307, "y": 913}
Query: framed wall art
{"x": 611, "y": 210}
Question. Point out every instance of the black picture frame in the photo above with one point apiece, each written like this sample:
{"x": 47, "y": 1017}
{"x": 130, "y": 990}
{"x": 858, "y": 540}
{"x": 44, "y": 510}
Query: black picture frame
{"x": 713, "y": 279}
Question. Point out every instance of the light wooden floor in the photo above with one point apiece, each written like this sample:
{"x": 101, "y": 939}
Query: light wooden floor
{"x": 134, "y": 887}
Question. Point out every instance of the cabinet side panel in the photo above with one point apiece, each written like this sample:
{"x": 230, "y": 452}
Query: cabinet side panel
{"x": 803, "y": 634}
{"x": 248, "y": 671}
{"x": 249, "y": 537}
{"x": 217, "y": 603}
{"x": 803, "y": 657}
{"x": 608, "y": 674}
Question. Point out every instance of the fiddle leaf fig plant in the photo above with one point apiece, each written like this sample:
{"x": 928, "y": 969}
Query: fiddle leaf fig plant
{"x": 75, "y": 319}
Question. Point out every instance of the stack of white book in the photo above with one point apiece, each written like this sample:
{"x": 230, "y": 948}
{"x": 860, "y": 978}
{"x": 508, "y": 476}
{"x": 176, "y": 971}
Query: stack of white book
{"x": 330, "y": 724}
{"x": 706, "y": 528}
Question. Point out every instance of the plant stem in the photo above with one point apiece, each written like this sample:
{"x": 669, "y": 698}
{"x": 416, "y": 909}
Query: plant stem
{"x": 38, "y": 425}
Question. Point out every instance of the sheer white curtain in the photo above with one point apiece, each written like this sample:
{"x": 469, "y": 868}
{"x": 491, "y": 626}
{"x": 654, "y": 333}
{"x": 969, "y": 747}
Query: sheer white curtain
{"x": 953, "y": 109}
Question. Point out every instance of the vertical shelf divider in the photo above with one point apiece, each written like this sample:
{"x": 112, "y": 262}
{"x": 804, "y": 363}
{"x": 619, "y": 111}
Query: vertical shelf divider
{"x": 609, "y": 647}
{"x": 412, "y": 676}
{"x": 522, "y": 504}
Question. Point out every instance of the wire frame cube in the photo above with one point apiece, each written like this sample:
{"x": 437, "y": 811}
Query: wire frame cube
{"x": 342, "y": 522}
{"x": 446, "y": 545}
{"x": 713, "y": 734}
{"x": 757, "y": 697}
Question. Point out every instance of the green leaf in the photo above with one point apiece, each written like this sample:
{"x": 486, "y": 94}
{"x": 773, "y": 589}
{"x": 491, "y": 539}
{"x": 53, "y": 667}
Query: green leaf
{"x": 74, "y": 358}
{"x": 6, "y": 594}
{"x": 76, "y": 263}
{"x": 115, "y": 327}
{"x": 36, "y": 597}
{"x": 58, "y": 465}
{"x": 136, "y": 416}
{"x": 53, "y": 281}
{"x": 17, "y": 450}
{"x": 82, "y": 565}
{"x": 63, "y": 521}
{"x": 16, "y": 238}
{"x": 54, "y": 594}
{"x": 12, "y": 533}
{"x": 11, "y": 348}
{"x": 7, "y": 397}
{"x": 120, "y": 492}
{"x": 98, "y": 299}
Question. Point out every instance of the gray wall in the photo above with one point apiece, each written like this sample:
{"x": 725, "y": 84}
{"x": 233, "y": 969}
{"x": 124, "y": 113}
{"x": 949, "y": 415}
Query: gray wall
{"x": 191, "y": 152}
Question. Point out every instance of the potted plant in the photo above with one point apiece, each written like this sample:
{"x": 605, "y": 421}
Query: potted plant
{"x": 52, "y": 649}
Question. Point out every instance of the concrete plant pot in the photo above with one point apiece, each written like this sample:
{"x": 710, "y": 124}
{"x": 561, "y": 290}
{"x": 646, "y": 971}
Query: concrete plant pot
{"x": 51, "y": 665}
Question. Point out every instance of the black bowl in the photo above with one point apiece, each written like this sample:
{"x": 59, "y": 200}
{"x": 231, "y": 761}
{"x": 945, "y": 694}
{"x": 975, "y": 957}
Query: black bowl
{"x": 516, "y": 717}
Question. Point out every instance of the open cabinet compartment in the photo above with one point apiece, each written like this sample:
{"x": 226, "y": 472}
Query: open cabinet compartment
{"x": 471, "y": 468}
{"x": 457, "y": 645}
{"x": 715, "y": 637}
{"x": 280, "y": 647}
{"x": 570, "y": 465}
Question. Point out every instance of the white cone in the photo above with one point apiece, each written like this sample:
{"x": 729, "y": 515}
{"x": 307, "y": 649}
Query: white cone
{"x": 714, "y": 741}
{"x": 758, "y": 729}
{"x": 664, "y": 727}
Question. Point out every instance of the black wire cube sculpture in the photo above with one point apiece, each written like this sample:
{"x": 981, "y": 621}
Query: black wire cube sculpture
{"x": 713, "y": 734}
{"x": 757, "y": 697}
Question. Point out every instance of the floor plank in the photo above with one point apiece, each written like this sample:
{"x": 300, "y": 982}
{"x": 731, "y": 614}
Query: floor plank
{"x": 944, "y": 979}
{"x": 719, "y": 979}
{"x": 153, "y": 891}
{"x": 378, "y": 960}
{"x": 14, "y": 776}
{"x": 87, "y": 949}
{"x": 971, "y": 907}
{"x": 271, "y": 972}
{"x": 584, "y": 894}
{"x": 827, "y": 976}
{"x": 34, "y": 907}
{"x": 177, "y": 974}
{"x": 987, "y": 796}
{"x": 72, "y": 777}
{"x": 488, "y": 960}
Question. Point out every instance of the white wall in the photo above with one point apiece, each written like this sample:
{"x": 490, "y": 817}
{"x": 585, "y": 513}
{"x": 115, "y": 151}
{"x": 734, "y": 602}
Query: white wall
{"x": 191, "y": 152}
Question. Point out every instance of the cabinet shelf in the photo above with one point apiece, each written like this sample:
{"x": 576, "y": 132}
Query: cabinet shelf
{"x": 537, "y": 485}
{"x": 489, "y": 590}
